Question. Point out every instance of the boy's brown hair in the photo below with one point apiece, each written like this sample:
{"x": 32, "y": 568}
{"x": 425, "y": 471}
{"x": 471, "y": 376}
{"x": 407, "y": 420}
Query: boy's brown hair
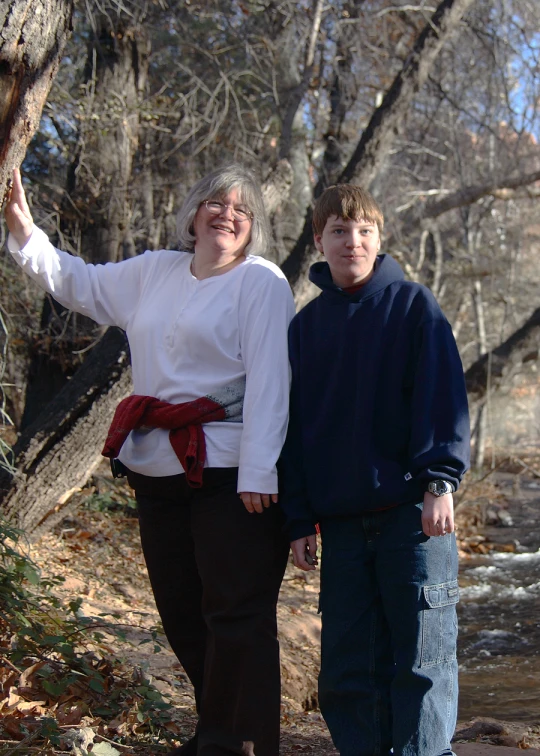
{"x": 348, "y": 202}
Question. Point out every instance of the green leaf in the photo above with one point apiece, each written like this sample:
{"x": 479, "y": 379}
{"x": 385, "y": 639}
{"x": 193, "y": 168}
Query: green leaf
{"x": 153, "y": 695}
{"x": 66, "y": 649}
{"x": 45, "y": 671}
{"x": 52, "y": 640}
{"x": 96, "y": 684}
{"x": 50, "y": 730}
{"x": 22, "y": 619}
{"x": 104, "y": 711}
{"x": 54, "y": 689}
{"x": 31, "y": 573}
{"x": 75, "y": 605}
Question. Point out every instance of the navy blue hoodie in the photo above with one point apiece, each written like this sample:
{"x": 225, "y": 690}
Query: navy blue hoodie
{"x": 378, "y": 400}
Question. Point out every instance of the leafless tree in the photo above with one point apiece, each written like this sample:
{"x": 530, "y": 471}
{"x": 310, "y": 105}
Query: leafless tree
{"x": 440, "y": 125}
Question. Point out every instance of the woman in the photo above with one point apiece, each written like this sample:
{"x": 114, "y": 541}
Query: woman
{"x": 207, "y": 329}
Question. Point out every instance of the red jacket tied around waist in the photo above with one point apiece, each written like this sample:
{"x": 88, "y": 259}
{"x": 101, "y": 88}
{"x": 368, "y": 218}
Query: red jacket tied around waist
{"x": 184, "y": 421}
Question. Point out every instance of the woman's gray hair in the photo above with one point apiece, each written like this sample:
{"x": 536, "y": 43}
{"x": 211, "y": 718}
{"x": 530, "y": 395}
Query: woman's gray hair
{"x": 216, "y": 185}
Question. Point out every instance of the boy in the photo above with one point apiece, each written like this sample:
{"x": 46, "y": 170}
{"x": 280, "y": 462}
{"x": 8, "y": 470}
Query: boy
{"x": 378, "y": 441}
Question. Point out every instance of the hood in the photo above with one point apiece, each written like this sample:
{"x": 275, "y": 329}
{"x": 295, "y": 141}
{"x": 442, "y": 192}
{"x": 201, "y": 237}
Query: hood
{"x": 387, "y": 271}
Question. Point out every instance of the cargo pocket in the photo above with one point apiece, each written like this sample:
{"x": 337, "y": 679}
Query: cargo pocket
{"x": 439, "y": 623}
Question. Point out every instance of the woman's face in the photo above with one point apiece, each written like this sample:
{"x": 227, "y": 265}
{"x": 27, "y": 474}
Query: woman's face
{"x": 219, "y": 232}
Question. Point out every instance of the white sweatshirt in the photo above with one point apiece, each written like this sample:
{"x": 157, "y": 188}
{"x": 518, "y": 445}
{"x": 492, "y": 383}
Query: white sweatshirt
{"x": 188, "y": 339}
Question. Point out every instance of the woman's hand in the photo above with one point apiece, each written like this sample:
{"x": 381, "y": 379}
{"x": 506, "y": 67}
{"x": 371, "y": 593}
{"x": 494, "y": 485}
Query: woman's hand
{"x": 18, "y": 216}
{"x": 257, "y": 502}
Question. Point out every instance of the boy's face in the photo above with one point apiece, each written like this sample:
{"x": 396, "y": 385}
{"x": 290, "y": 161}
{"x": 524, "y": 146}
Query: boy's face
{"x": 350, "y": 248}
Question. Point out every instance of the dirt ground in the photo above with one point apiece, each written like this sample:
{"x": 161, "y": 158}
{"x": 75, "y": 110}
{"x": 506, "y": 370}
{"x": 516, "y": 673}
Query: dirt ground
{"x": 483, "y": 749}
{"x": 97, "y": 551}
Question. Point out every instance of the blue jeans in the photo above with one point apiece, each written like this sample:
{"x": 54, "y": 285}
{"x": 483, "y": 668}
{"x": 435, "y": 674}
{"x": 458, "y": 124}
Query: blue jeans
{"x": 388, "y": 680}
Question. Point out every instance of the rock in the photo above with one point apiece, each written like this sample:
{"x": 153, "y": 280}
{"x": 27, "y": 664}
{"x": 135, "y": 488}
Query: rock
{"x": 492, "y": 732}
{"x": 484, "y": 749}
{"x": 479, "y": 726}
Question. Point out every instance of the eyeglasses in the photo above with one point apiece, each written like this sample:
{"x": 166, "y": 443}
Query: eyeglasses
{"x": 238, "y": 213}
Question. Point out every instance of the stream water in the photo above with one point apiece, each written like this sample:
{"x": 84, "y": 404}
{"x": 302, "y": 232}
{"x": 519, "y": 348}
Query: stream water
{"x": 499, "y": 613}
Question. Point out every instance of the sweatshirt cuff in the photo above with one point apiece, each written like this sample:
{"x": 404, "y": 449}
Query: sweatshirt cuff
{"x": 300, "y": 529}
{"x": 257, "y": 481}
{"x": 13, "y": 245}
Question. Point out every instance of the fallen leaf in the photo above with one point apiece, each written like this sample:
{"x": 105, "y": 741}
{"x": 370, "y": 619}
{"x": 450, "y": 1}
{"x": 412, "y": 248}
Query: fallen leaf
{"x": 12, "y": 725}
{"x": 25, "y": 706}
{"x": 104, "y": 749}
{"x": 69, "y": 714}
{"x": 13, "y": 698}
{"x": 26, "y": 677}
{"x": 172, "y": 727}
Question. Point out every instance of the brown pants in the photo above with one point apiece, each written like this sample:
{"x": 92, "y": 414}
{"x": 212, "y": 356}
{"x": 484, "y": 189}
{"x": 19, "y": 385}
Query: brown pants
{"x": 215, "y": 571}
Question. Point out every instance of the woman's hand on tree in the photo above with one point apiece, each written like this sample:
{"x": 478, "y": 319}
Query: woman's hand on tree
{"x": 18, "y": 216}
{"x": 257, "y": 502}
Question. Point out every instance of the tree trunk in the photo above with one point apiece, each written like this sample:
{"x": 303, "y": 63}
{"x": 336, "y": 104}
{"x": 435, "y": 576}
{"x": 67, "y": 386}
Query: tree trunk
{"x": 479, "y": 435}
{"x": 506, "y": 360}
{"x": 32, "y": 38}
{"x": 277, "y": 187}
{"x": 116, "y": 73}
{"x": 293, "y": 90}
{"x": 56, "y": 455}
{"x": 116, "y": 77}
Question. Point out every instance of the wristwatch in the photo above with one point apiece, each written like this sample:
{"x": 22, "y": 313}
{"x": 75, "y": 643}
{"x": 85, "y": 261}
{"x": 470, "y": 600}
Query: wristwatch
{"x": 440, "y": 487}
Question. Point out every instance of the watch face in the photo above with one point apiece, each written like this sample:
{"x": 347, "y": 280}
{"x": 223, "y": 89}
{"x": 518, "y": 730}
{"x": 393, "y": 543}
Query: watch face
{"x": 439, "y": 487}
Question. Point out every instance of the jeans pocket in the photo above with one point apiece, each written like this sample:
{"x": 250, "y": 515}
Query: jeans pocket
{"x": 439, "y": 623}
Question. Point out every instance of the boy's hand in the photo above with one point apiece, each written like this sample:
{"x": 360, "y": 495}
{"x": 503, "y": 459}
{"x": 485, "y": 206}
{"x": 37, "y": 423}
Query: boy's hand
{"x": 18, "y": 215}
{"x": 438, "y": 514}
{"x": 304, "y": 549}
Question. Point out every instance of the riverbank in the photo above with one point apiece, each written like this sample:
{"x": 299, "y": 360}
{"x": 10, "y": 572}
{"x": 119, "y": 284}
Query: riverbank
{"x": 96, "y": 551}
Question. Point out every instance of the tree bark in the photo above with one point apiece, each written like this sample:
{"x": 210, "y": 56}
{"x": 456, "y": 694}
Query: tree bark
{"x": 277, "y": 186}
{"x": 116, "y": 74}
{"x": 33, "y": 34}
{"x": 57, "y": 453}
{"x": 116, "y": 77}
{"x": 508, "y": 358}
{"x": 293, "y": 91}
{"x": 387, "y": 121}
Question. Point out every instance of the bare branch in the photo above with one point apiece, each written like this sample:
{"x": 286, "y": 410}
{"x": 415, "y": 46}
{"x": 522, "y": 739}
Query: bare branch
{"x": 470, "y": 194}
{"x": 388, "y": 119}
{"x": 521, "y": 347}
